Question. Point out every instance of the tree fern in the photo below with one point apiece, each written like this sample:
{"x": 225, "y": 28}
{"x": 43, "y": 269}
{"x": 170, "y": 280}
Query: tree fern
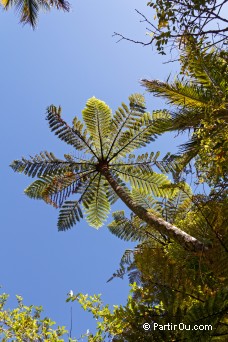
{"x": 99, "y": 178}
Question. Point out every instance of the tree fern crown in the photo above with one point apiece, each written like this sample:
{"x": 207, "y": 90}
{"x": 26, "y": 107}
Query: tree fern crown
{"x": 107, "y": 142}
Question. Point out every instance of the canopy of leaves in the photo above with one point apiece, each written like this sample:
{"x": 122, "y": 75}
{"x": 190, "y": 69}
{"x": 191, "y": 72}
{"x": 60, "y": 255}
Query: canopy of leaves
{"x": 24, "y": 323}
{"x": 195, "y": 17}
{"x": 169, "y": 284}
{"x": 199, "y": 103}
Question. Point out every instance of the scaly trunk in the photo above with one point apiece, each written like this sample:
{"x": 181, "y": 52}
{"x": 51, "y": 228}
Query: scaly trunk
{"x": 185, "y": 240}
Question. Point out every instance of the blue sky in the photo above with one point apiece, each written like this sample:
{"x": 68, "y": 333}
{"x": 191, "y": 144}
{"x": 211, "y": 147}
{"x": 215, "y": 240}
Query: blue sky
{"x": 66, "y": 60}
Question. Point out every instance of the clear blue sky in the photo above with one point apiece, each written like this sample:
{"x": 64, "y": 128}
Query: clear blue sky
{"x": 66, "y": 60}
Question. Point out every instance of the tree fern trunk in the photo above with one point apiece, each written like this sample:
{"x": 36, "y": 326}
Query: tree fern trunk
{"x": 185, "y": 240}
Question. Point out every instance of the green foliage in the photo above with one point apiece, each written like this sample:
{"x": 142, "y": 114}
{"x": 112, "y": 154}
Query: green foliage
{"x": 144, "y": 129}
{"x": 142, "y": 176}
{"x": 29, "y": 9}
{"x": 177, "y": 202}
{"x": 74, "y": 136}
{"x": 170, "y": 286}
{"x": 41, "y": 165}
{"x": 97, "y": 117}
{"x": 172, "y": 209}
{"x": 125, "y": 229}
{"x": 105, "y": 140}
{"x": 179, "y": 20}
{"x": 96, "y": 202}
{"x": 203, "y": 322}
{"x": 199, "y": 103}
{"x": 24, "y": 323}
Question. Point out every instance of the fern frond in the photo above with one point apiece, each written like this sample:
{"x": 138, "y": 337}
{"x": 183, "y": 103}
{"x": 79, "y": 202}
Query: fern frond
{"x": 178, "y": 93}
{"x": 168, "y": 165}
{"x": 74, "y": 136}
{"x": 146, "y": 200}
{"x": 126, "y": 260}
{"x": 110, "y": 193}
{"x": 145, "y": 162}
{"x": 36, "y": 189}
{"x": 187, "y": 118}
{"x": 28, "y": 11}
{"x": 134, "y": 275}
{"x": 144, "y": 130}
{"x": 46, "y": 163}
{"x": 97, "y": 117}
{"x": 69, "y": 214}
{"x": 161, "y": 114}
{"x": 55, "y": 190}
{"x": 142, "y": 161}
{"x": 60, "y": 4}
{"x": 41, "y": 164}
{"x": 187, "y": 152}
{"x": 124, "y": 117}
{"x": 208, "y": 68}
{"x": 95, "y": 202}
{"x": 124, "y": 228}
{"x": 145, "y": 179}
{"x": 71, "y": 211}
{"x": 178, "y": 203}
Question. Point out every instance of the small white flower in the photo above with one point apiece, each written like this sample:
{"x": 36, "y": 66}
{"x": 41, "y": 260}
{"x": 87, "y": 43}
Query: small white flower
{"x": 71, "y": 293}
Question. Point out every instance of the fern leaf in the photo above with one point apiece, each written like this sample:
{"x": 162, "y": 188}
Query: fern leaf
{"x": 46, "y": 163}
{"x": 124, "y": 228}
{"x": 144, "y": 130}
{"x": 145, "y": 200}
{"x": 69, "y": 214}
{"x": 145, "y": 179}
{"x": 41, "y": 165}
{"x": 125, "y": 264}
{"x": 178, "y": 93}
{"x": 178, "y": 203}
{"x": 205, "y": 67}
{"x": 97, "y": 116}
{"x": 124, "y": 117}
{"x": 72, "y": 136}
{"x": 110, "y": 193}
{"x": 95, "y": 202}
{"x": 35, "y": 189}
